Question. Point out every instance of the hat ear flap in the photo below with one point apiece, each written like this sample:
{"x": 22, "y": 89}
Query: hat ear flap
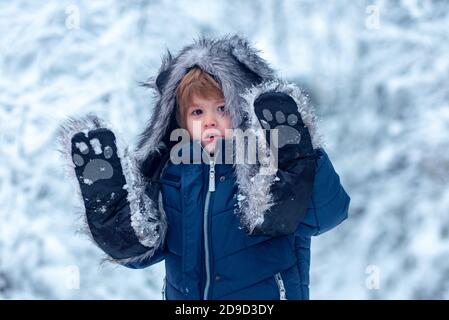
{"x": 159, "y": 82}
{"x": 249, "y": 57}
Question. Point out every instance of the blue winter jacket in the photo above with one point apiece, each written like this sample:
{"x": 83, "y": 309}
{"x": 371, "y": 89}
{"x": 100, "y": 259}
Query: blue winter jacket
{"x": 208, "y": 255}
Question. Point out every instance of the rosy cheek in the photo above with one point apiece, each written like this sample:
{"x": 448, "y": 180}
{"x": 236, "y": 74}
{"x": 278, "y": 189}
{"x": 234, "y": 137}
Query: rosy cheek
{"x": 228, "y": 122}
{"x": 194, "y": 128}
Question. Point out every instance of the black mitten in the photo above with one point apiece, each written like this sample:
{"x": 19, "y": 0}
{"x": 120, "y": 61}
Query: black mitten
{"x": 102, "y": 184}
{"x": 98, "y": 167}
{"x": 292, "y": 190}
{"x": 277, "y": 110}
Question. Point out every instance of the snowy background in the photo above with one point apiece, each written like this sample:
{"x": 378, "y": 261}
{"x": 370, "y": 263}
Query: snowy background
{"x": 378, "y": 75}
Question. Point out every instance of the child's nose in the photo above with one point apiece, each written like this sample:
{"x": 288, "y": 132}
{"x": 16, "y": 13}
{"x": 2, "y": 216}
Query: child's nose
{"x": 210, "y": 122}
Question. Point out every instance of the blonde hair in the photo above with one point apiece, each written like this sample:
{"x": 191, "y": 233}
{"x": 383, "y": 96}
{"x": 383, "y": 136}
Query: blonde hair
{"x": 198, "y": 83}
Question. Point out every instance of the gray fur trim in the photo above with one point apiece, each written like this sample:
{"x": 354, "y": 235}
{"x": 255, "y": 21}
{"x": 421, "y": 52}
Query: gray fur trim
{"x": 137, "y": 259}
{"x": 149, "y": 225}
{"x": 254, "y": 181}
{"x": 65, "y": 132}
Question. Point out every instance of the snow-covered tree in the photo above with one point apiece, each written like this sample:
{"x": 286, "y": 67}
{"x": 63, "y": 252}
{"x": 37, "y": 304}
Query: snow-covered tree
{"x": 377, "y": 72}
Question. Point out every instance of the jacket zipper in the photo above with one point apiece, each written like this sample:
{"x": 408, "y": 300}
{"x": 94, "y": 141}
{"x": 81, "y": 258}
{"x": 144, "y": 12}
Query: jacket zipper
{"x": 280, "y": 283}
{"x": 205, "y": 225}
{"x": 163, "y": 288}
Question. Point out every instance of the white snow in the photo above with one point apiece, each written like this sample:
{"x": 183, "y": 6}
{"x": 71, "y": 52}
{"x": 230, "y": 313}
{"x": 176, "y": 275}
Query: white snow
{"x": 240, "y": 197}
{"x": 102, "y": 209}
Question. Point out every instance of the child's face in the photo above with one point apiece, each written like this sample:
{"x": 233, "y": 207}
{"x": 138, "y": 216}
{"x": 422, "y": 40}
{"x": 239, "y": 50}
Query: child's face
{"x": 206, "y": 121}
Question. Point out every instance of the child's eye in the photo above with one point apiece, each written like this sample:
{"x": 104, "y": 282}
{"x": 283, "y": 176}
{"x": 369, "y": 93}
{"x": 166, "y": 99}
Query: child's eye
{"x": 197, "y": 112}
{"x": 221, "y": 108}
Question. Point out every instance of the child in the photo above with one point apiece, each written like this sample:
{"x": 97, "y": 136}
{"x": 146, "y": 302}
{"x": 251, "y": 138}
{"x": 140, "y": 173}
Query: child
{"x": 238, "y": 230}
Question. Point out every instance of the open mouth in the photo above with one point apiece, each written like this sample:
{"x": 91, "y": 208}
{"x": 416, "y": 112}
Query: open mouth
{"x": 213, "y": 137}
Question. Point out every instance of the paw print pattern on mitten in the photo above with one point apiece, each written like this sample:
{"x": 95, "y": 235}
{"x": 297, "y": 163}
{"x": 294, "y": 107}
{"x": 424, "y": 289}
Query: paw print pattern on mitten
{"x": 95, "y": 157}
{"x": 287, "y": 132}
{"x": 97, "y": 168}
